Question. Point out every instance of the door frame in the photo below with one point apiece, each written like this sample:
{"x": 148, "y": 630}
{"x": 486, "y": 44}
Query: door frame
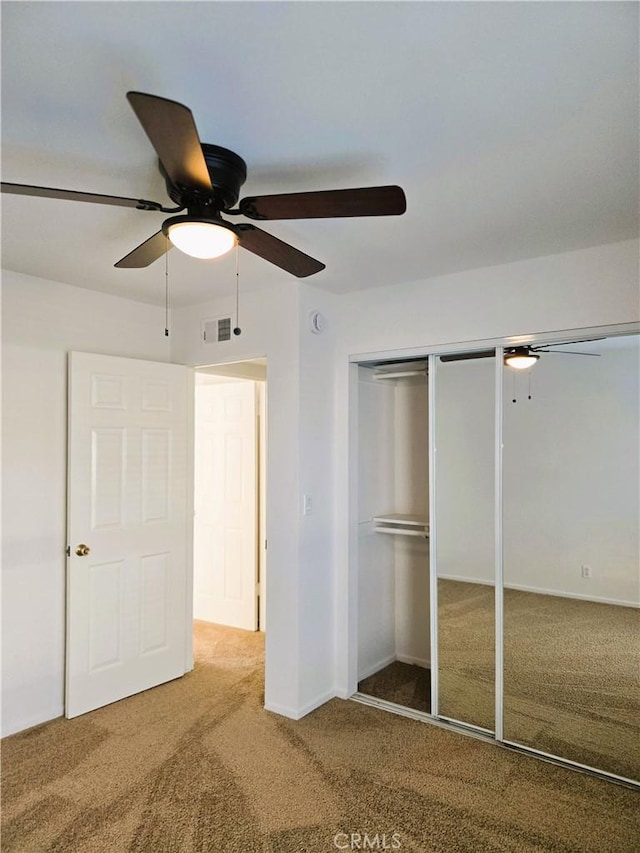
{"x": 191, "y": 405}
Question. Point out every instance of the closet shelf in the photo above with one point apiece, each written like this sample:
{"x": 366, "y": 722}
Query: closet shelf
{"x": 402, "y": 524}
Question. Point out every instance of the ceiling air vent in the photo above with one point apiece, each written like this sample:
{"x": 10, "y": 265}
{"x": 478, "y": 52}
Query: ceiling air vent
{"x": 216, "y": 330}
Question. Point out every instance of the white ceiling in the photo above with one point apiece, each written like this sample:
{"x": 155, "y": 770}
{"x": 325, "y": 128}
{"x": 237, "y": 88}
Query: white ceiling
{"x": 512, "y": 127}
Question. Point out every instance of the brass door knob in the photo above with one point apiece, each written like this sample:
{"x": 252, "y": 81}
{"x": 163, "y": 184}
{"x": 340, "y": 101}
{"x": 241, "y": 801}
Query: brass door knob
{"x": 82, "y": 550}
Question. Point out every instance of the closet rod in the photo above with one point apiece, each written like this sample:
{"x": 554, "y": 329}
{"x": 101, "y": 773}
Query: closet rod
{"x": 399, "y": 374}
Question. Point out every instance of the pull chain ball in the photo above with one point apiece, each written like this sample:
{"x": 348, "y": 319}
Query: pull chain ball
{"x": 237, "y": 330}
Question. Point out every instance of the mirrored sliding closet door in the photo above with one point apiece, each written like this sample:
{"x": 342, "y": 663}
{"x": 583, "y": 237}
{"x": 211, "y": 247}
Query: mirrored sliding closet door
{"x": 464, "y": 439}
{"x": 499, "y": 545}
{"x": 571, "y": 555}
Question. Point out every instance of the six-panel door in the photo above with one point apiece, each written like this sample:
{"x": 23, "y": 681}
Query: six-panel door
{"x": 128, "y": 504}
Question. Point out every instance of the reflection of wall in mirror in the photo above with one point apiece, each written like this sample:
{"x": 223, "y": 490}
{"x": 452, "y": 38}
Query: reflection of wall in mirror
{"x": 465, "y": 440}
{"x": 571, "y": 473}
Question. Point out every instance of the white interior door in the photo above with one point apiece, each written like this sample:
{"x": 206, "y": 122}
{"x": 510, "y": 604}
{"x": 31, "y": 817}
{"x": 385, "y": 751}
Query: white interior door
{"x": 128, "y": 503}
{"x": 226, "y": 500}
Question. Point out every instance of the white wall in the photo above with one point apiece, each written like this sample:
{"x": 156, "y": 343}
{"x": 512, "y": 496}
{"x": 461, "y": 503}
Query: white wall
{"x": 309, "y": 427}
{"x": 42, "y": 321}
{"x": 316, "y": 626}
{"x": 590, "y": 287}
{"x": 300, "y": 580}
{"x": 412, "y": 497}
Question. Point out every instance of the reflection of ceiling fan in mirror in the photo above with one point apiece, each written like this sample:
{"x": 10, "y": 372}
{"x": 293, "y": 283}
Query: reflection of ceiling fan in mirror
{"x": 523, "y": 356}
{"x": 205, "y": 180}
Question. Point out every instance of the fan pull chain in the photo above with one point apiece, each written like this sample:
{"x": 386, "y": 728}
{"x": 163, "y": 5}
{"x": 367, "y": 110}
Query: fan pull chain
{"x": 513, "y": 377}
{"x": 529, "y": 384}
{"x": 166, "y": 290}
{"x": 237, "y": 330}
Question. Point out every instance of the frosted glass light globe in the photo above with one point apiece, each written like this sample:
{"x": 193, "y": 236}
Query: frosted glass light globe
{"x": 204, "y": 240}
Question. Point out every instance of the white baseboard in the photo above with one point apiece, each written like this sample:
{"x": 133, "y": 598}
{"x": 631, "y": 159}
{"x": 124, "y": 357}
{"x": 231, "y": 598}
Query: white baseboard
{"x": 12, "y": 727}
{"x": 598, "y": 599}
{"x": 376, "y": 667}
{"x": 423, "y": 662}
{"x": 463, "y": 579}
{"x": 345, "y": 694}
{"x": 299, "y": 713}
{"x": 540, "y": 591}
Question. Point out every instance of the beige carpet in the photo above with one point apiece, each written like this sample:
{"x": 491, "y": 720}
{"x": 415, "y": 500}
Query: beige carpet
{"x": 197, "y": 765}
{"x": 403, "y": 683}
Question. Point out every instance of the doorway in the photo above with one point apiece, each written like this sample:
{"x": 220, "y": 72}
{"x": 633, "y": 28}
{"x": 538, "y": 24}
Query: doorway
{"x": 230, "y": 436}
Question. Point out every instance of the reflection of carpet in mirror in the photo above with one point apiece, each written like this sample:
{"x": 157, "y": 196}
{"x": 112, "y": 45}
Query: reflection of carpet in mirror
{"x": 572, "y": 679}
{"x": 466, "y": 652}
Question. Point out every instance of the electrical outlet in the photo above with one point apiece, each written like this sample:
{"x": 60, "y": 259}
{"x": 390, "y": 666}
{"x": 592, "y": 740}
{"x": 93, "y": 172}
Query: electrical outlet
{"x": 585, "y": 571}
{"x": 306, "y": 505}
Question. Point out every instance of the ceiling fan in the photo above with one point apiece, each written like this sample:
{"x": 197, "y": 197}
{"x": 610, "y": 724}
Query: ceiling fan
{"x": 521, "y": 357}
{"x": 204, "y": 180}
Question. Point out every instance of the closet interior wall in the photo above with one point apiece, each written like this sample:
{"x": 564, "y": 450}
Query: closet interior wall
{"x": 393, "y": 477}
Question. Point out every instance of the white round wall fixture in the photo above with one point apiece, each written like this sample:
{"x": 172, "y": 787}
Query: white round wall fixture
{"x": 317, "y": 322}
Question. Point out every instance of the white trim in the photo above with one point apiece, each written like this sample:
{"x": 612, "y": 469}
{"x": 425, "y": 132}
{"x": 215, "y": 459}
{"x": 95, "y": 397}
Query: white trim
{"x": 22, "y": 725}
{"x": 423, "y": 662}
{"x": 400, "y": 710}
{"x": 596, "y": 599}
{"x": 299, "y": 713}
{"x": 461, "y": 724}
{"x": 191, "y": 413}
{"x": 558, "y": 336}
{"x": 498, "y": 554}
{"x": 371, "y": 670}
{"x": 353, "y": 566}
{"x": 463, "y": 579}
{"x": 480, "y": 734}
{"x": 343, "y": 694}
{"x": 432, "y": 370}
{"x": 540, "y": 591}
{"x": 576, "y": 765}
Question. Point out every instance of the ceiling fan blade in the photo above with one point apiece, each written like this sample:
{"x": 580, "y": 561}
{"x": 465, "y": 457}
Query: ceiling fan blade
{"x": 367, "y": 201}
{"x": 73, "y": 195}
{"x": 543, "y": 347}
{"x": 463, "y": 356}
{"x": 146, "y": 253}
{"x": 570, "y": 352}
{"x": 172, "y": 132}
{"x": 277, "y": 252}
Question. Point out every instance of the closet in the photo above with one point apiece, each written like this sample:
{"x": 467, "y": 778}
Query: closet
{"x": 497, "y": 551}
{"x": 393, "y": 534}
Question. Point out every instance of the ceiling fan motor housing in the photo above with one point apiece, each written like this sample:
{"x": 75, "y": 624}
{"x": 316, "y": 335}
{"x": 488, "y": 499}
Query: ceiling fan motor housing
{"x": 227, "y": 171}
